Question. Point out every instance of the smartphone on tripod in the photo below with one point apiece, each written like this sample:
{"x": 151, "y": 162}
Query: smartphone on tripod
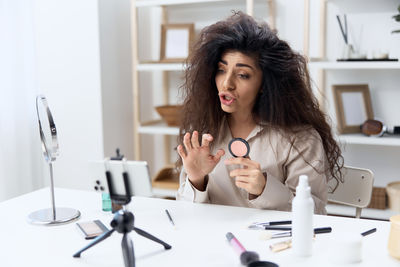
{"x": 137, "y": 171}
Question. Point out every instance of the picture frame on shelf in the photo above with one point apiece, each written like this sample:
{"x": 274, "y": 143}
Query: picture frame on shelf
{"x": 353, "y": 106}
{"x": 176, "y": 40}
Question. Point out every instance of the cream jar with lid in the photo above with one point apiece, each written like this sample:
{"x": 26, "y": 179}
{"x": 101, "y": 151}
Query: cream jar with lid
{"x": 394, "y": 237}
{"x": 345, "y": 248}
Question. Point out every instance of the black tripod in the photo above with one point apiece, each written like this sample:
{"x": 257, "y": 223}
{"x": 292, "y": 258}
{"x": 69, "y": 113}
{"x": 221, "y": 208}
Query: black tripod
{"x": 123, "y": 222}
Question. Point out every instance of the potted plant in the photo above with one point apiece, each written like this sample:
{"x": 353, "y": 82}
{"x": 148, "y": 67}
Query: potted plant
{"x": 397, "y": 18}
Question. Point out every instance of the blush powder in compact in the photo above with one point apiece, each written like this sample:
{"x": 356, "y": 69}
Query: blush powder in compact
{"x": 239, "y": 147}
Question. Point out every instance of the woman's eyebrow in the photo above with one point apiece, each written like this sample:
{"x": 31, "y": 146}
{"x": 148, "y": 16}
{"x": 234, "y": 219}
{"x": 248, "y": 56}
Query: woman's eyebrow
{"x": 244, "y": 65}
{"x": 237, "y": 64}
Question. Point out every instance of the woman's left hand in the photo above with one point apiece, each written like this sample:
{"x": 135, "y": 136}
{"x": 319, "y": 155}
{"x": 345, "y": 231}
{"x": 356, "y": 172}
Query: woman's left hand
{"x": 250, "y": 177}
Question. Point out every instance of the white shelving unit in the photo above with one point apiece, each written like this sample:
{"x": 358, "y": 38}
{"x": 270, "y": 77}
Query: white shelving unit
{"x": 369, "y": 65}
{"x": 158, "y": 128}
{"x": 325, "y": 67}
{"x": 148, "y": 3}
{"x": 360, "y": 139}
{"x": 160, "y": 66}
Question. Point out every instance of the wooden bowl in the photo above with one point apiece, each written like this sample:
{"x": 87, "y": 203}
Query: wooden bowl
{"x": 171, "y": 114}
{"x": 167, "y": 178}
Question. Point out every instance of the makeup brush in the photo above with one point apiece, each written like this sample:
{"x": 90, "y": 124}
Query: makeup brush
{"x": 266, "y": 235}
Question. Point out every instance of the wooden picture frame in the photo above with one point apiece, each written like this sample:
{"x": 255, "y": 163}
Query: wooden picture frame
{"x": 353, "y": 106}
{"x": 176, "y": 40}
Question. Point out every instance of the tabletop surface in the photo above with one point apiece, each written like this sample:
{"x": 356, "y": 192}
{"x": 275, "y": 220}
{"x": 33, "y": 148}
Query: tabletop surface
{"x": 197, "y": 240}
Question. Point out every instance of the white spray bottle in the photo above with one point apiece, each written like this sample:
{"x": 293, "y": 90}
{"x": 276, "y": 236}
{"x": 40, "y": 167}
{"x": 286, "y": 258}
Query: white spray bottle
{"x": 302, "y": 219}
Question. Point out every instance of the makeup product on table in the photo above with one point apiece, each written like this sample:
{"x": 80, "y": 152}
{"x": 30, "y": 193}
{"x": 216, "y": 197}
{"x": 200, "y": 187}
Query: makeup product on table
{"x": 346, "y": 247}
{"x": 281, "y": 246}
{"x": 373, "y": 230}
{"x": 170, "y": 218}
{"x": 302, "y": 219}
{"x": 92, "y": 229}
{"x": 394, "y": 237}
{"x": 269, "y": 235}
{"x": 275, "y": 225}
{"x": 239, "y": 147}
{"x": 272, "y": 223}
{"x": 272, "y": 227}
{"x": 249, "y": 258}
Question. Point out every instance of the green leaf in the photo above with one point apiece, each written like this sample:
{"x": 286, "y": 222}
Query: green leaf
{"x": 396, "y": 17}
{"x": 396, "y": 31}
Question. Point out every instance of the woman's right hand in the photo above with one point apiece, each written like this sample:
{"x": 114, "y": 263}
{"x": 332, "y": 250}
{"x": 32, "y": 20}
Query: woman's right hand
{"x": 197, "y": 160}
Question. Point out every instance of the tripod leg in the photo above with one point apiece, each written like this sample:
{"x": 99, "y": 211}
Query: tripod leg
{"x": 94, "y": 242}
{"x": 151, "y": 237}
{"x": 127, "y": 251}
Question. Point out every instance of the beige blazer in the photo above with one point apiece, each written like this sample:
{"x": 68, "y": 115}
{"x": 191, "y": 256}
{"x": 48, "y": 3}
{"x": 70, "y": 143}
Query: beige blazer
{"x": 282, "y": 160}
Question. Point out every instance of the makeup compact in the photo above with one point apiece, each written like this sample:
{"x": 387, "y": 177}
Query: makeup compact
{"x": 238, "y": 147}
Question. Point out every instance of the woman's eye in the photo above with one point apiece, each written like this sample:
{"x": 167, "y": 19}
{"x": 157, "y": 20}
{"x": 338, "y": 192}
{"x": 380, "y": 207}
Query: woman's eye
{"x": 244, "y": 76}
{"x": 220, "y": 71}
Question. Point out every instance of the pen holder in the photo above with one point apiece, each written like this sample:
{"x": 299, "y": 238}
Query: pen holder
{"x": 394, "y": 237}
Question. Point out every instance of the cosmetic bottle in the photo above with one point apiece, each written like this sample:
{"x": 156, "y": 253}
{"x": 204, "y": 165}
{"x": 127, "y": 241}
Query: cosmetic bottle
{"x": 106, "y": 201}
{"x": 302, "y": 219}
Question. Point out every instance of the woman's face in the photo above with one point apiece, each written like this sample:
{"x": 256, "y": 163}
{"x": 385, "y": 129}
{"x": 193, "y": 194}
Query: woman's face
{"x": 238, "y": 81}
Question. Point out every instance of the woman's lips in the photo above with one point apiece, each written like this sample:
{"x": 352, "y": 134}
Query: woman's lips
{"x": 226, "y": 99}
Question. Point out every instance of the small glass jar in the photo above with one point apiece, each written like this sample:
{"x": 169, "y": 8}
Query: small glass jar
{"x": 106, "y": 201}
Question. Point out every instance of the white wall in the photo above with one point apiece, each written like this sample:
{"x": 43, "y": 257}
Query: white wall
{"x": 20, "y": 152}
{"x": 116, "y": 76}
{"x": 68, "y": 70}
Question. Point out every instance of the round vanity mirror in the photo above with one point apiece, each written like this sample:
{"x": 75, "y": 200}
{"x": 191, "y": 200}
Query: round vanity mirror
{"x": 48, "y": 137}
{"x": 47, "y": 129}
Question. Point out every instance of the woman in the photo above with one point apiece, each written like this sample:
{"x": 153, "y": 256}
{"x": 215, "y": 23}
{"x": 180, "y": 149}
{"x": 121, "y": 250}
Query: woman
{"x": 243, "y": 81}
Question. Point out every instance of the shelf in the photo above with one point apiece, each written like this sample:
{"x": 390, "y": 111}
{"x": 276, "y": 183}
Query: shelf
{"x": 333, "y": 65}
{"x": 158, "y": 128}
{"x": 161, "y": 192}
{"x": 360, "y": 139}
{"x": 160, "y": 66}
{"x": 365, "y": 6}
{"x": 341, "y": 210}
{"x": 142, "y": 3}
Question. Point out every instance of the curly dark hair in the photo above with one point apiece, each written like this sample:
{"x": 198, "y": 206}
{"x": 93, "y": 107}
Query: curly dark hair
{"x": 285, "y": 101}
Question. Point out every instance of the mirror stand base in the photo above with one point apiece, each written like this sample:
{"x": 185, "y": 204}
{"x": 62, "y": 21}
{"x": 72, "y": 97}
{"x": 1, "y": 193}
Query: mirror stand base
{"x": 46, "y": 217}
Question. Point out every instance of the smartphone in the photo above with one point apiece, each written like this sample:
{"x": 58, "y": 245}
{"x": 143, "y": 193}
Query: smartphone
{"x": 91, "y": 229}
{"x": 138, "y": 174}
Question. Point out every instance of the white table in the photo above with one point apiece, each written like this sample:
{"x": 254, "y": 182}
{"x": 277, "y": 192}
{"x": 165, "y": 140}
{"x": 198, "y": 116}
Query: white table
{"x": 198, "y": 240}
